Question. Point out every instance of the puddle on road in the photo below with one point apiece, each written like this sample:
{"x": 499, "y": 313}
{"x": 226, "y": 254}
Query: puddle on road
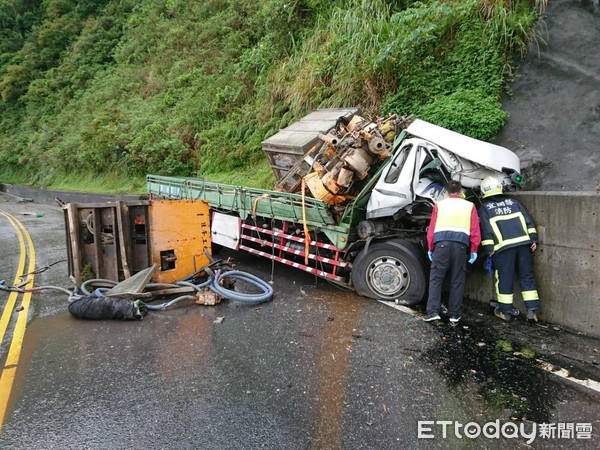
{"x": 509, "y": 376}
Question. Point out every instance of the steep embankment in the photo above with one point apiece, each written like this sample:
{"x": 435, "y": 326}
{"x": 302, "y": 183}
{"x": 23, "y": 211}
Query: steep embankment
{"x": 554, "y": 122}
{"x": 111, "y": 90}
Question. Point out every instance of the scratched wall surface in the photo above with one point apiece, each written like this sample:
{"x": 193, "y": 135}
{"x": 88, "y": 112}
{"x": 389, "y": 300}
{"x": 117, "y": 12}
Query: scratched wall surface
{"x": 567, "y": 263}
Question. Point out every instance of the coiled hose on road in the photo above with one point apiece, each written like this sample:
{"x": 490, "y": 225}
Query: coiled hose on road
{"x": 213, "y": 282}
{"x": 216, "y": 287}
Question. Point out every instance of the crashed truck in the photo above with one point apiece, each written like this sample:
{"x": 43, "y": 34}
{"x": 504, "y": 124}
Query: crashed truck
{"x": 353, "y": 198}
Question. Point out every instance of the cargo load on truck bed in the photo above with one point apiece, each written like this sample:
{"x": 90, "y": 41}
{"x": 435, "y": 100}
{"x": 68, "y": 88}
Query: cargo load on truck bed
{"x": 333, "y": 152}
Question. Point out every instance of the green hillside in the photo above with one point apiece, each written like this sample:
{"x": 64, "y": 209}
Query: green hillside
{"x": 97, "y": 93}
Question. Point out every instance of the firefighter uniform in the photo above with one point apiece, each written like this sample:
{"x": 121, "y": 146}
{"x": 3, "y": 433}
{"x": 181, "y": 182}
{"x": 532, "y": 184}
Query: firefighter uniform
{"x": 453, "y": 230}
{"x": 507, "y": 232}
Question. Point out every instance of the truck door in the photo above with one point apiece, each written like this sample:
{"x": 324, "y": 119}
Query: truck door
{"x": 396, "y": 187}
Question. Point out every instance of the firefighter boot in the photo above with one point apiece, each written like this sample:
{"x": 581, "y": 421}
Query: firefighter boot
{"x": 494, "y": 304}
{"x": 503, "y": 315}
{"x": 532, "y": 316}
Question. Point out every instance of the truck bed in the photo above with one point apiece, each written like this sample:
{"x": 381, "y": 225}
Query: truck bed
{"x": 246, "y": 201}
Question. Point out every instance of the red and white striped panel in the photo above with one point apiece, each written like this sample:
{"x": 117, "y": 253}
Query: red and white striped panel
{"x": 312, "y": 270}
{"x": 291, "y": 237}
{"x": 293, "y": 251}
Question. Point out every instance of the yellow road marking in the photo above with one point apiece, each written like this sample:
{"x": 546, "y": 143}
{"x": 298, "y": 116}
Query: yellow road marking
{"x": 8, "y": 373}
{"x": 12, "y": 298}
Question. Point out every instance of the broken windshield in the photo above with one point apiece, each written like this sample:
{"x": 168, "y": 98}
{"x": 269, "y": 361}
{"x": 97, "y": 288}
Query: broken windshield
{"x": 397, "y": 164}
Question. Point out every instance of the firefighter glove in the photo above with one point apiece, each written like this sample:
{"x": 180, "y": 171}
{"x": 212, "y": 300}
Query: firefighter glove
{"x": 488, "y": 266}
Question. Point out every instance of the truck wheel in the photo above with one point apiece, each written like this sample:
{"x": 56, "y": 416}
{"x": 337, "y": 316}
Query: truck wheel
{"x": 391, "y": 270}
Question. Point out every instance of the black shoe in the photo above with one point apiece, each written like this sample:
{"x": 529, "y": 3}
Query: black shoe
{"x": 431, "y": 317}
{"x": 454, "y": 321}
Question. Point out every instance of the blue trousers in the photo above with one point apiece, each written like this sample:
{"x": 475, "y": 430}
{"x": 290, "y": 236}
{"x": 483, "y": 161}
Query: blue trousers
{"x": 507, "y": 264}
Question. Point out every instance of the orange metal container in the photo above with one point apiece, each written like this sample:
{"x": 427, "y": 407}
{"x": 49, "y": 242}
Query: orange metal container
{"x": 179, "y": 237}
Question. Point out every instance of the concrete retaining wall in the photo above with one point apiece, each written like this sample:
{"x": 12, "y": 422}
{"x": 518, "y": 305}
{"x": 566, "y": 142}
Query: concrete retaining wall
{"x": 567, "y": 262}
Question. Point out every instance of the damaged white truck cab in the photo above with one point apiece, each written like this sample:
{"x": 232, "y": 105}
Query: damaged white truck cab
{"x": 431, "y": 156}
{"x": 365, "y": 229}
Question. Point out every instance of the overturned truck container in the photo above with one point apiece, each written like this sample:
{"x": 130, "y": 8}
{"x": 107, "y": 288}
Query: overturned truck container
{"x": 117, "y": 240}
{"x": 355, "y": 206}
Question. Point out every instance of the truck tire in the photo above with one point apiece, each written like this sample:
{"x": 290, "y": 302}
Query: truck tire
{"x": 390, "y": 270}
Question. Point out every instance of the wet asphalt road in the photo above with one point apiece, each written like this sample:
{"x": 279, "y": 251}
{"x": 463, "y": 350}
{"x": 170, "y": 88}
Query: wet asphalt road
{"x": 316, "y": 368}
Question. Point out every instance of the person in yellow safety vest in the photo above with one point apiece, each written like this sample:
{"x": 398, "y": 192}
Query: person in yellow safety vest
{"x": 453, "y": 232}
{"x": 509, "y": 237}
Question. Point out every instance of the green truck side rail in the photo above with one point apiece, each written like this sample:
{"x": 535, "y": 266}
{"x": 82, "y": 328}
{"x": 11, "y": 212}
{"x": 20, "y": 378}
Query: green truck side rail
{"x": 245, "y": 202}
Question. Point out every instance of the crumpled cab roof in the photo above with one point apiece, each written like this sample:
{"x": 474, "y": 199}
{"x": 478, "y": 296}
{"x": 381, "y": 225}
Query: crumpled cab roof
{"x": 489, "y": 155}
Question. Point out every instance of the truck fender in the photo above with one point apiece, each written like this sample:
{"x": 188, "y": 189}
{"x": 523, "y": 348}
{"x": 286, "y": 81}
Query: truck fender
{"x": 396, "y": 242}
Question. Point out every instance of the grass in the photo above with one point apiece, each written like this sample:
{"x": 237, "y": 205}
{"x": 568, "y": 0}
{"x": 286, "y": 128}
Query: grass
{"x": 258, "y": 175}
{"x": 193, "y": 88}
{"x": 81, "y": 181}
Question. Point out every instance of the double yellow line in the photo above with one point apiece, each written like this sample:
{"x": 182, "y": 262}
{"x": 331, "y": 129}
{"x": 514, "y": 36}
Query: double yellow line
{"x": 7, "y": 377}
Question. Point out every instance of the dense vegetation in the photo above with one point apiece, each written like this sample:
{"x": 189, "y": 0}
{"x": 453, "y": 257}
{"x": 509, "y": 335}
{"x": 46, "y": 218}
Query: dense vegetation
{"x": 97, "y": 93}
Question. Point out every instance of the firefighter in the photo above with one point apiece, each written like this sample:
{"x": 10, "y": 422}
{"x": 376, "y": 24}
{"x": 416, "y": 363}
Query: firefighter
{"x": 509, "y": 237}
{"x": 453, "y": 232}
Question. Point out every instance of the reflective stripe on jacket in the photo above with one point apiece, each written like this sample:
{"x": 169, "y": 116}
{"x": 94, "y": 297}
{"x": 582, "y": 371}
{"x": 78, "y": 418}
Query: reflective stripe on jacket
{"x": 505, "y": 224}
{"x": 454, "y": 219}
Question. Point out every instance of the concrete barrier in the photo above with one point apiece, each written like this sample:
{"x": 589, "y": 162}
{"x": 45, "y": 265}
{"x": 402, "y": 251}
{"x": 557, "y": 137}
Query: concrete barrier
{"x": 566, "y": 264}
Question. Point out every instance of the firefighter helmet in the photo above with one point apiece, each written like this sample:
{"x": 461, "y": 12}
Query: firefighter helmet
{"x": 490, "y": 186}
